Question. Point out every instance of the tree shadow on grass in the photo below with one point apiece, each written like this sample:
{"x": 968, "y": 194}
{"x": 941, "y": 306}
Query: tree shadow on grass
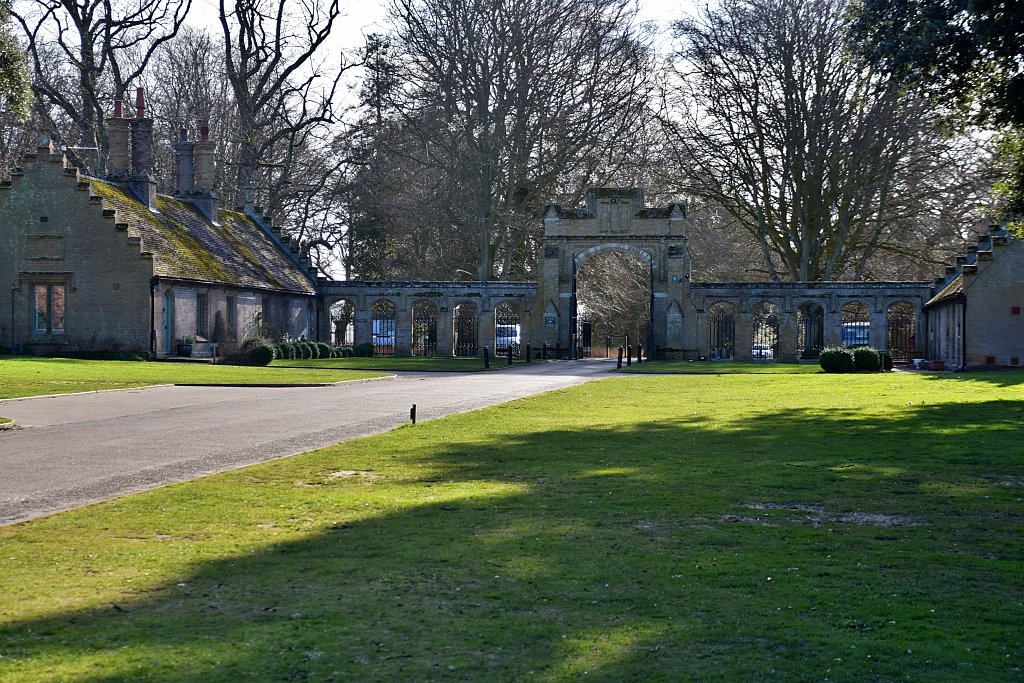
{"x": 675, "y": 550}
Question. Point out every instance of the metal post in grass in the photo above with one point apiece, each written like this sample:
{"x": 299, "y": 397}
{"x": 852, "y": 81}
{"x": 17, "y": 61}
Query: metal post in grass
{"x": 558, "y": 350}
{"x": 629, "y": 354}
{"x": 544, "y": 351}
{"x": 487, "y": 359}
{"x": 529, "y": 352}
{"x": 618, "y": 364}
{"x": 412, "y": 413}
{"x": 639, "y": 354}
{"x": 510, "y": 354}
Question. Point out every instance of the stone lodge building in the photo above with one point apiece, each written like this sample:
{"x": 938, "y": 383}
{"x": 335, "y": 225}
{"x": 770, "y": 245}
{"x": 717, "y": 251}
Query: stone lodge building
{"x": 112, "y": 265}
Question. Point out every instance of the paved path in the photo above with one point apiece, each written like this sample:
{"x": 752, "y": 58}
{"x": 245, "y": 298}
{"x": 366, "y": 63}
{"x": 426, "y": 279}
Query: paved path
{"x": 79, "y": 449}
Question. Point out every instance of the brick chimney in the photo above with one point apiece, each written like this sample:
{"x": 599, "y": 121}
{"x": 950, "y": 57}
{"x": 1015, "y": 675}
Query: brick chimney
{"x": 141, "y": 179}
{"x": 205, "y": 174}
{"x": 184, "y": 165}
{"x": 118, "y": 156}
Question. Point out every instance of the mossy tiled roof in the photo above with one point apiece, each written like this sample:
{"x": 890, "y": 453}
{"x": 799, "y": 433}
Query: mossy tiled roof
{"x": 955, "y": 287}
{"x": 186, "y": 245}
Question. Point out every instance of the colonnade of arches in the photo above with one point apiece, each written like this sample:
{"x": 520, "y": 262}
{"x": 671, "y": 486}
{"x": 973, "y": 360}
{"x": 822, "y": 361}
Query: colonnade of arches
{"x": 427, "y": 329}
{"x": 852, "y": 328}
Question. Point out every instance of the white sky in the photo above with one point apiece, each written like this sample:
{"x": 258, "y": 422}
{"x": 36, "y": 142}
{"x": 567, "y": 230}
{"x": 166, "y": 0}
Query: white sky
{"x": 367, "y": 16}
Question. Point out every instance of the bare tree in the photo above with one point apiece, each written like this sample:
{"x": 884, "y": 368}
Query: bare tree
{"x": 99, "y": 48}
{"x": 824, "y": 163}
{"x": 284, "y": 90}
{"x": 504, "y": 98}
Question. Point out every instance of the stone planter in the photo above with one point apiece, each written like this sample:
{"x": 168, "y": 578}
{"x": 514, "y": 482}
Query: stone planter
{"x": 185, "y": 350}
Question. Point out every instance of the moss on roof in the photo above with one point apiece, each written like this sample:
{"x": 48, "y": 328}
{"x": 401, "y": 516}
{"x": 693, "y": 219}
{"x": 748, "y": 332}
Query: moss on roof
{"x": 955, "y": 287}
{"x": 186, "y": 245}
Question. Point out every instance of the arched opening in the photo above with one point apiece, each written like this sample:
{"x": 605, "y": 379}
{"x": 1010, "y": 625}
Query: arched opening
{"x": 464, "y": 329}
{"x": 722, "y": 330}
{"x": 343, "y": 315}
{"x": 765, "y": 342}
{"x": 382, "y": 316}
{"x": 424, "y": 328}
{"x": 810, "y": 331}
{"x": 613, "y": 301}
{"x": 507, "y": 330}
{"x": 856, "y": 324}
{"x": 901, "y": 331}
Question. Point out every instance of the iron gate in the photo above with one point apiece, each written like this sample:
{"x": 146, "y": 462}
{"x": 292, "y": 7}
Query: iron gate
{"x": 765, "y": 342}
{"x": 722, "y": 337}
{"x": 506, "y": 330}
{"x": 383, "y": 321}
{"x": 424, "y": 328}
{"x": 584, "y": 334}
{"x": 464, "y": 324}
{"x": 856, "y": 326}
{"x": 901, "y": 332}
{"x": 810, "y": 331}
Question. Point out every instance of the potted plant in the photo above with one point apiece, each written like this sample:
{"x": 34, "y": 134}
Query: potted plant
{"x": 185, "y": 346}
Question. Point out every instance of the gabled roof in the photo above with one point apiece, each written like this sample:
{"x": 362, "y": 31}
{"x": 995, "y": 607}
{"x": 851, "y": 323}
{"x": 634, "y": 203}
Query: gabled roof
{"x": 188, "y": 246}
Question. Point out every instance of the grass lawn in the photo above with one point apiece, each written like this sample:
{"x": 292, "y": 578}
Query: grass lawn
{"x": 34, "y": 376}
{"x": 777, "y": 527}
{"x": 718, "y": 367}
{"x": 419, "y": 364}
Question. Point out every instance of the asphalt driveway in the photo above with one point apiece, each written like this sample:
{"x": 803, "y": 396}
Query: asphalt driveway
{"x": 79, "y": 449}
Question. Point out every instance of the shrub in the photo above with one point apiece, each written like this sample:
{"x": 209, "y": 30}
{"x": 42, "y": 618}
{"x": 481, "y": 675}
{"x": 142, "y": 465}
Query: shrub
{"x": 837, "y": 359}
{"x": 343, "y": 351}
{"x": 325, "y": 350}
{"x": 301, "y": 350}
{"x": 866, "y": 359}
{"x": 280, "y": 350}
{"x": 314, "y": 350}
{"x": 364, "y": 350}
{"x": 886, "y": 360}
{"x": 254, "y": 341}
{"x": 255, "y": 354}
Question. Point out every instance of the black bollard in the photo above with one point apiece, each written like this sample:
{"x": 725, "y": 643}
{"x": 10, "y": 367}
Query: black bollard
{"x": 618, "y": 363}
{"x": 639, "y": 353}
{"x": 487, "y": 359}
{"x": 529, "y": 351}
{"x": 544, "y": 351}
{"x": 558, "y": 350}
{"x": 412, "y": 413}
{"x": 629, "y": 355}
{"x": 510, "y": 354}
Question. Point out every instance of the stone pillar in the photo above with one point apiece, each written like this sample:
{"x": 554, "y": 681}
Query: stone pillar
{"x": 403, "y": 328}
{"x": 184, "y": 164}
{"x": 832, "y": 324}
{"x": 788, "y": 335}
{"x": 485, "y": 328}
{"x": 362, "y": 325}
{"x": 445, "y": 341}
{"x": 205, "y": 174}
{"x": 879, "y": 327}
{"x": 744, "y": 337}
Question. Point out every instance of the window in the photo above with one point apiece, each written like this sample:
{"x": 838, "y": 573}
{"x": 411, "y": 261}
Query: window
{"x": 202, "y": 314}
{"x": 49, "y": 309}
{"x": 232, "y": 316}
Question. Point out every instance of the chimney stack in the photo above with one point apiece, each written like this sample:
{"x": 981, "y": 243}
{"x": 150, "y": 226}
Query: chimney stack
{"x": 205, "y": 173}
{"x": 184, "y": 166}
{"x": 141, "y": 179}
{"x": 118, "y": 157}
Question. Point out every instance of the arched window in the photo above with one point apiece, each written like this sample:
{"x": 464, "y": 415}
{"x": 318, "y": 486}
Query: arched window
{"x": 383, "y": 320}
{"x": 901, "y": 331}
{"x": 856, "y": 325}
{"x": 810, "y": 331}
{"x": 424, "y": 328}
{"x": 765, "y": 342}
{"x": 507, "y": 330}
{"x": 722, "y": 330}
{"x": 464, "y": 328}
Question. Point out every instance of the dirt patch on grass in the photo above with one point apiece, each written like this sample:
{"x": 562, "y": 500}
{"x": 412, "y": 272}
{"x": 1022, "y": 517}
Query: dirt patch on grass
{"x": 816, "y": 515}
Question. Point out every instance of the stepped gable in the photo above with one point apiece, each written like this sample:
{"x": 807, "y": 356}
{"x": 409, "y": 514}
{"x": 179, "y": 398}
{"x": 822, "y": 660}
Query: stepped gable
{"x": 186, "y": 245}
{"x": 953, "y": 283}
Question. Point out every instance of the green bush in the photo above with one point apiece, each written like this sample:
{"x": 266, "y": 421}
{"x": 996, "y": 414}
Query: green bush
{"x": 364, "y": 350}
{"x": 314, "y": 350}
{"x": 302, "y": 350}
{"x": 866, "y": 359}
{"x": 343, "y": 351}
{"x": 837, "y": 359}
{"x": 254, "y": 341}
{"x": 254, "y": 354}
{"x": 886, "y": 360}
{"x": 325, "y": 349}
{"x": 280, "y": 350}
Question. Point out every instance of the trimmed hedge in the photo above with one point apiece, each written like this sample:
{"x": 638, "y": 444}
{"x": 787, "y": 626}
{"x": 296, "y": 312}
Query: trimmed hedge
{"x": 253, "y": 354}
{"x": 837, "y": 359}
{"x": 325, "y": 349}
{"x": 866, "y": 359}
{"x": 364, "y": 350}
